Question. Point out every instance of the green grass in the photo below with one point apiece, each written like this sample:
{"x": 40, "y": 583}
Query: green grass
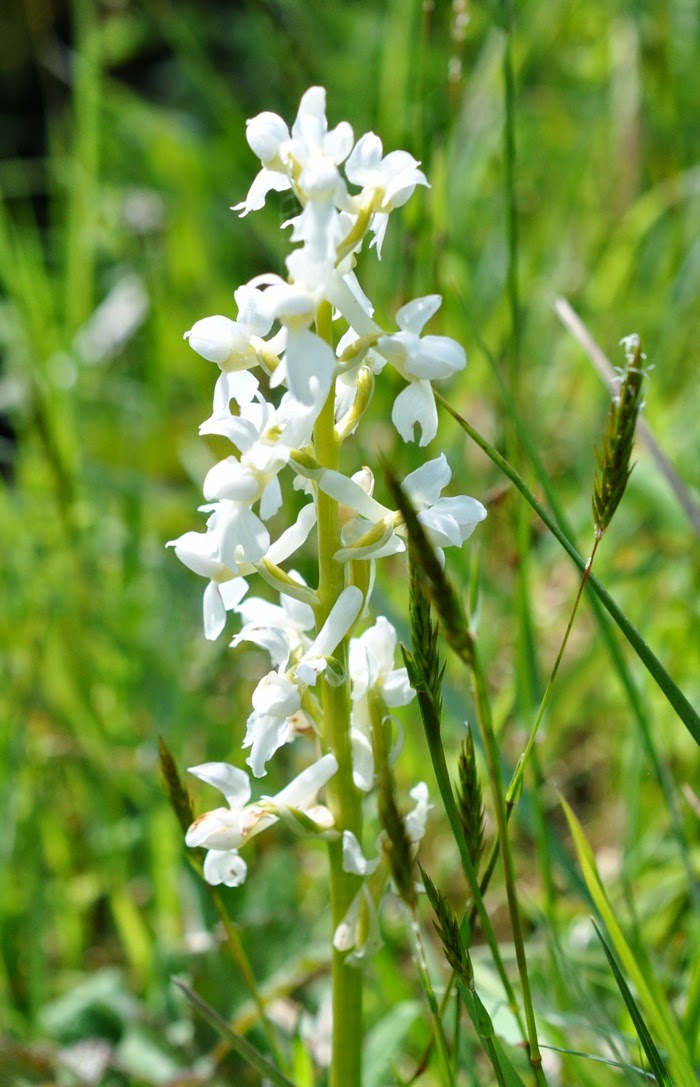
{"x": 100, "y": 637}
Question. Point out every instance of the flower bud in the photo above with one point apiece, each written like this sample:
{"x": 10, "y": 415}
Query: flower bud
{"x": 219, "y": 339}
{"x": 264, "y": 134}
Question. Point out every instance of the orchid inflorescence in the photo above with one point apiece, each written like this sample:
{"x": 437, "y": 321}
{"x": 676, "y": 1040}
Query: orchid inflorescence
{"x": 314, "y": 337}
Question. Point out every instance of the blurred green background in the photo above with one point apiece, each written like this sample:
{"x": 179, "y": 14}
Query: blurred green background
{"x": 122, "y": 131}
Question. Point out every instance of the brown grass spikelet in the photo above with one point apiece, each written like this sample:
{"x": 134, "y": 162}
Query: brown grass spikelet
{"x": 470, "y": 800}
{"x": 397, "y": 844}
{"x": 177, "y": 793}
{"x": 614, "y": 468}
{"x": 447, "y": 928}
{"x": 424, "y": 638}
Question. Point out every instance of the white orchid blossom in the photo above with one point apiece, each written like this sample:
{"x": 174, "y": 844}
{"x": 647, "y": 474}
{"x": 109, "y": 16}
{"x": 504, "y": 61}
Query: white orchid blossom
{"x": 354, "y": 860}
{"x": 265, "y": 437}
{"x": 279, "y": 629}
{"x": 234, "y": 345}
{"x": 371, "y": 665}
{"x": 387, "y": 182}
{"x": 358, "y": 933}
{"x": 209, "y": 555}
{"x": 447, "y": 521}
{"x": 419, "y": 359}
{"x": 224, "y": 831}
{"x": 277, "y": 697}
{"x": 306, "y": 160}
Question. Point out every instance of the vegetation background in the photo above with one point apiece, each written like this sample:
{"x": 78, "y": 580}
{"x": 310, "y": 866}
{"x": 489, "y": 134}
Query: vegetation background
{"x": 123, "y": 133}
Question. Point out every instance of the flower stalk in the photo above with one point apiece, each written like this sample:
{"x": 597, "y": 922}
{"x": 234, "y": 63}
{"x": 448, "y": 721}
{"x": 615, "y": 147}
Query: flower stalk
{"x": 344, "y": 799}
{"x": 323, "y": 682}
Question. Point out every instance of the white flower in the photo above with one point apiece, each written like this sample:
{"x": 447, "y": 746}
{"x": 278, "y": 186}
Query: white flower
{"x": 415, "y": 821}
{"x": 354, "y": 860}
{"x": 391, "y": 178}
{"x": 280, "y": 629}
{"x": 232, "y": 344}
{"x": 224, "y": 830}
{"x": 446, "y": 520}
{"x": 277, "y": 698}
{"x": 420, "y": 360}
{"x": 206, "y": 554}
{"x": 264, "y": 436}
{"x": 390, "y": 181}
{"x": 309, "y": 362}
{"x": 358, "y": 933}
{"x": 307, "y": 160}
{"x": 371, "y": 664}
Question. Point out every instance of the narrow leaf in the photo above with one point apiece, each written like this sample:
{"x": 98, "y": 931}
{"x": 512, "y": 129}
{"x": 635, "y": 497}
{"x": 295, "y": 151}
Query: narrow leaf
{"x": 671, "y": 690}
{"x": 650, "y": 993}
{"x": 647, "y": 1042}
{"x": 239, "y": 1044}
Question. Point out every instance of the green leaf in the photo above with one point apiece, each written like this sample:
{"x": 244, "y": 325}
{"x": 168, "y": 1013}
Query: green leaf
{"x": 650, "y": 993}
{"x": 383, "y": 1043}
{"x": 655, "y": 1062}
{"x": 506, "y": 1074}
{"x": 239, "y": 1044}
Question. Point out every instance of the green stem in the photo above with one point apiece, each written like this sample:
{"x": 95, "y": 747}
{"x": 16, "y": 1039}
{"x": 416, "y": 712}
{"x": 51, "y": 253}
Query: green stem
{"x": 343, "y": 797}
{"x": 442, "y": 776}
{"x": 511, "y": 204}
{"x": 241, "y": 960}
{"x": 446, "y": 1073}
{"x": 483, "y": 710}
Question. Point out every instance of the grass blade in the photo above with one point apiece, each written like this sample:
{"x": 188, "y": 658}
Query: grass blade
{"x": 241, "y": 1045}
{"x": 672, "y": 691}
{"x": 650, "y": 993}
{"x": 647, "y": 1042}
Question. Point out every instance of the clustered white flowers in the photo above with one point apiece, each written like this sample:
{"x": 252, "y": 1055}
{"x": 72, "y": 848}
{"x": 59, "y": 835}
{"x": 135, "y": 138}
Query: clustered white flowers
{"x": 313, "y": 336}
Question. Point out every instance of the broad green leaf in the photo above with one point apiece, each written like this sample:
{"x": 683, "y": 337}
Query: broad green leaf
{"x": 383, "y": 1043}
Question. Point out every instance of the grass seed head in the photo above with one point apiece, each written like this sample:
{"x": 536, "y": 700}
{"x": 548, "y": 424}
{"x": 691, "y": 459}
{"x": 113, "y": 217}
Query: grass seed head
{"x": 614, "y": 468}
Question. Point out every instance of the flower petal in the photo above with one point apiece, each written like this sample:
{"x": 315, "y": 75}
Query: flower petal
{"x": 294, "y": 536}
{"x": 350, "y": 494}
{"x": 265, "y": 133}
{"x": 425, "y": 485}
{"x": 415, "y": 821}
{"x": 213, "y": 612}
{"x": 362, "y": 760}
{"x": 416, "y": 405}
{"x": 437, "y": 357}
{"x": 310, "y": 366}
{"x": 396, "y": 689}
{"x": 229, "y": 780}
{"x": 274, "y": 641}
{"x": 342, "y": 616}
{"x": 225, "y": 866}
{"x": 354, "y": 860}
{"x": 414, "y": 315}
{"x": 265, "y": 734}
{"x": 302, "y": 790}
